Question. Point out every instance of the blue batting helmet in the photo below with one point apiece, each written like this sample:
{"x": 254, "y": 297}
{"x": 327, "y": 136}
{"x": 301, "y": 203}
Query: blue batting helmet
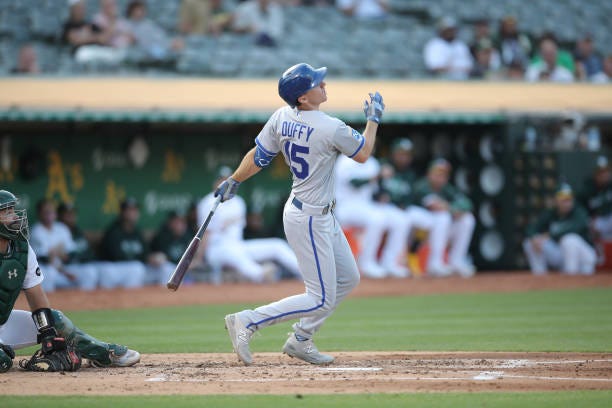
{"x": 298, "y": 80}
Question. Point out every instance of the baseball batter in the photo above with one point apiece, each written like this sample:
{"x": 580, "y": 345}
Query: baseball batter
{"x": 310, "y": 141}
{"x": 19, "y": 270}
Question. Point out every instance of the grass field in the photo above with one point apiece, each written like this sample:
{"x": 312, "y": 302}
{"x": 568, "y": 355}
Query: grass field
{"x": 567, "y": 320}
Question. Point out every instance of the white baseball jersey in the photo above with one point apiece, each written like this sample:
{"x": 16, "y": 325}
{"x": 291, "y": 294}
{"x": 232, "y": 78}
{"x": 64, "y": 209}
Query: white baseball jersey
{"x": 227, "y": 226}
{"x": 43, "y": 239}
{"x": 310, "y": 142}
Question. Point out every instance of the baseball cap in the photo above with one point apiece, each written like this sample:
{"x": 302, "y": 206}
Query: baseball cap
{"x": 129, "y": 202}
{"x": 564, "y": 191}
{"x": 402, "y": 144}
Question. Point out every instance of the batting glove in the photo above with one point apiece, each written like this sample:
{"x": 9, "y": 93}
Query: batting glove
{"x": 227, "y": 189}
{"x": 374, "y": 108}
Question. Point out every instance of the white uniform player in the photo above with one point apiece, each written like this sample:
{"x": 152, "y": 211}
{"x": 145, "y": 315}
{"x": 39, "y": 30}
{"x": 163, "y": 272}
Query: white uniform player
{"x": 226, "y": 246}
{"x": 52, "y": 241}
{"x": 310, "y": 142}
{"x": 356, "y": 185}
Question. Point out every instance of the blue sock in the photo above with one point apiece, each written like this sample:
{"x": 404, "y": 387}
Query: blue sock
{"x": 300, "y": 338}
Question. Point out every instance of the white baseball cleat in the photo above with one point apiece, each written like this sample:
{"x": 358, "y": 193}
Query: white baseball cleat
{"x": 128, "y": 359}
{"x": 305, "y": 350}
{"x": 240, "y": 337}
{"x": 120, "y": 356}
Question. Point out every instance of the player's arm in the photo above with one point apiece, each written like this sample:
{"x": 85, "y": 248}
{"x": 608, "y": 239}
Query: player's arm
{"x": 249, "y": 166}
{"x": 37, "y": 298}
{"x": 369, "y": 135}
{"x": 373, "y": 110}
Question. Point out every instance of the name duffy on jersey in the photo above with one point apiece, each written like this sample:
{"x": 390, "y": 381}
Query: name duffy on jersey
{"x": 296, "y": 130}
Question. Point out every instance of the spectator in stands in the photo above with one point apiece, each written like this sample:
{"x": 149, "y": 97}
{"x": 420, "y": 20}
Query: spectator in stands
{"x": 225, "y": 246}
{"x": 559, "y": 238}
{"x": 27, "y": 61}
{"x": 203, "y": 17}
{"x": 110, "y": 21}
{"x": 173, "y": 237}
{"x": 588, "y": 62}
{"x": 445, "y": 55}
{"x": 565, "y": 59}
{"x": 515, "y": 71}
{"x": 485, "y": 66}
{"x": 364, "y": 9}
{"x": 481, "y": 35}
{"x": 90, "y": 43}
{"x": 480, "y": 30}
{"x": 264, "y": 19}
{"x": 452, "y": 218}
{"x": 514, "y": 47}
{"x": 547, "y": 68}
{"x": 56, "y": 251}
{"x": 149, "y": 36}
{"x": 606, "y": 74}
{"x": 596, "y": 196}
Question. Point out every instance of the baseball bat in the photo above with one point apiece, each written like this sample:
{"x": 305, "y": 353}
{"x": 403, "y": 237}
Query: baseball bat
{"x": 181, "y": 268}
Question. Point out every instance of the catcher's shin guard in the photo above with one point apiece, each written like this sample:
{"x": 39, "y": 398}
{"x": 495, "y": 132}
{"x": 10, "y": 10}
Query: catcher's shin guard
{"x": 87, "y": 346}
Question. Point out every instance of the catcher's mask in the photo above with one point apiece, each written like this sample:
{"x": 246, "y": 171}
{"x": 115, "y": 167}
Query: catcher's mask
{"x": 13, "y": 223}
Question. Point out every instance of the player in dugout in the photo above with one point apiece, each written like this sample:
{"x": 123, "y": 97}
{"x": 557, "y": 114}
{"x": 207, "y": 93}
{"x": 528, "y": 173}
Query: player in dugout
{"x": 63, "y": 345}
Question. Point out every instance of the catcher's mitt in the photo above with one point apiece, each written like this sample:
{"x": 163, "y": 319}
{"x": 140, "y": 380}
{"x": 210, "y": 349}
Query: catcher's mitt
{"x": 54, "y": 355}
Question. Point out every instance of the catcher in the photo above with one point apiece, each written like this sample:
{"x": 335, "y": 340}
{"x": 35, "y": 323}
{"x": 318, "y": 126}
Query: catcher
{"x": 62, "y": 344}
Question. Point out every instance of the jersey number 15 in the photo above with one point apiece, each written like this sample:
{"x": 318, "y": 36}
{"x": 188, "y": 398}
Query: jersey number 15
{"x": 297, "y": 160}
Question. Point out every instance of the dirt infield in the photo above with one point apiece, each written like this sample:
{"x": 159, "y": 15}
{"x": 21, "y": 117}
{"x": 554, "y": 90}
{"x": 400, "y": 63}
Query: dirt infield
{"x": 353, "y": 372}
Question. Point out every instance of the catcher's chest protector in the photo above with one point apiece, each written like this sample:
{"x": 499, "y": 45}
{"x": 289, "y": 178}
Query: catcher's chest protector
{"x": 13, "y": 268}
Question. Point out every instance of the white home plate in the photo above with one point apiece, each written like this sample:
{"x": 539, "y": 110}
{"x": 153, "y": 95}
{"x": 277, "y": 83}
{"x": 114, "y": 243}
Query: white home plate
{"x": 157, "y": 379}
{"x": 489, "y": 375}
{"x": 351, "y": 369}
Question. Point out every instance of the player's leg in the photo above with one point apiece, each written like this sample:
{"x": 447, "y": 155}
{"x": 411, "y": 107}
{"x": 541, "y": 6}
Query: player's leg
{"x": 438, "y": 240}
{"x": 578, "y": 255}
{"x": 86, "y": 274}
{"x": 347, "y": 278}
{"x": 308, "y": 236}
{"x": 98, "y": 352}
{"x": 460, "y": 235}
{"x": 273, "y": 249}
{"x": 159, "y": 274}
{"x": 235, "y": 256}
{"x": 535, "y": 258}
{"x": 399, "y": 224}
{"x": 19, "y": 330}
